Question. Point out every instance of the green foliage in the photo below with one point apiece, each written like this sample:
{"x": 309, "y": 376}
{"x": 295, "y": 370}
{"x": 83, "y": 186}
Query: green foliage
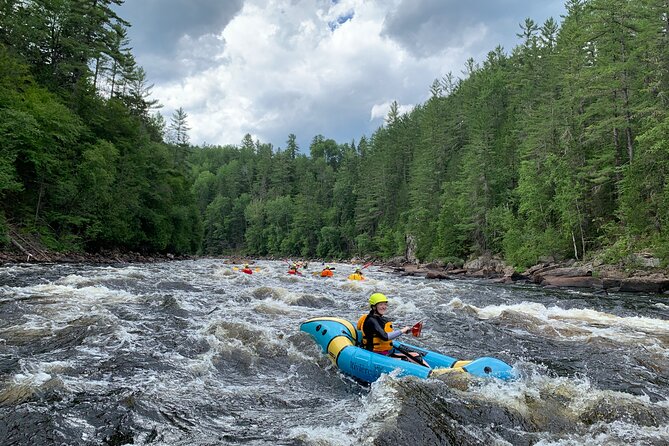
{"x": 390, "y": 242}
{"x": 83, "y": 181}
{"x": 556, "y": 149}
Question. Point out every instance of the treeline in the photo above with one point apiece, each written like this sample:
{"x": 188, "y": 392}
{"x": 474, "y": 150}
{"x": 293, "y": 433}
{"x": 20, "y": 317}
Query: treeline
{"x": 558, "y": 148}
{"x": 82, "y": 158}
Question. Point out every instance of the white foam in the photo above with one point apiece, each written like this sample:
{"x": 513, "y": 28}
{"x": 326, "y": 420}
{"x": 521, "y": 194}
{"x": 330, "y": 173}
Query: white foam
{"x": 614, "y": 433}
{"x": 379, "y": 407}
{"x": 31, "y": 379}
{"x": 579, "y": 323}
{"x": 322, "y": 436}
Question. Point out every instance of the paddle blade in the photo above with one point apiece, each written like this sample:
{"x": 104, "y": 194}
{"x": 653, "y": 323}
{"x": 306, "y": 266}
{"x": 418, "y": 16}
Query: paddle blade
{"x": 234, "y": 268}
{"x": 366, "y": 265}
{"x": 416, "y": 329}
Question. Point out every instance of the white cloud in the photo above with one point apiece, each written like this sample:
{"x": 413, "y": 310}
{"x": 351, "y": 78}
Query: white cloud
{"x": 310, "y": 67}
{"x": 382, "y": 110}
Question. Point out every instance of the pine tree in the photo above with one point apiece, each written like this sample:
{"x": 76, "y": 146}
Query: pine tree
{"x": 178, "y": 128}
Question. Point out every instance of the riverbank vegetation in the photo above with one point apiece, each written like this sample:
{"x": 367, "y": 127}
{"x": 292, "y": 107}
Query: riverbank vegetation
{"x": 558, "y": 148}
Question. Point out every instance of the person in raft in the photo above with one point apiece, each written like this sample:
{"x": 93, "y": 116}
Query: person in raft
{"x": 378, "y": 332}
{"x": 357, "y": 275}
{"x": 293, "y": 270}
{"x": 246, "y": 269}
{"x": 326, "y": 272}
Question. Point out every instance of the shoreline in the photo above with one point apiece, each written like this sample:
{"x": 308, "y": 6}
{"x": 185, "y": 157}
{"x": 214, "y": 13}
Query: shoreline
{"x": 600, "y": 278}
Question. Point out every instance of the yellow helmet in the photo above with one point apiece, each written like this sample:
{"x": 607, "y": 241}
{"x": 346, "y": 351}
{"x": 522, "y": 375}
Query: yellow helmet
{"x": 377, "y": 298}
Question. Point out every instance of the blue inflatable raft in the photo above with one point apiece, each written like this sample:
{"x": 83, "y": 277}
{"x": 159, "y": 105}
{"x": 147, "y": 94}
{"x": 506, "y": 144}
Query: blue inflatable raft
{"x": 341, "y": 341}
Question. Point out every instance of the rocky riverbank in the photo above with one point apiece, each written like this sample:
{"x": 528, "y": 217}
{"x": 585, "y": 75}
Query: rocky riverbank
{"x": 645, "y": 277}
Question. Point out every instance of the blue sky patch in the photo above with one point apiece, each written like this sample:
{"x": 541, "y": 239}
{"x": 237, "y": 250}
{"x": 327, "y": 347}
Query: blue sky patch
{"x": 341, "y": 20}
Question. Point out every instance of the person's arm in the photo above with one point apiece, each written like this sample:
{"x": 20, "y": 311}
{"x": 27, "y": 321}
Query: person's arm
{"x": 397, "y": 333}
{"x": 380, "y": 332}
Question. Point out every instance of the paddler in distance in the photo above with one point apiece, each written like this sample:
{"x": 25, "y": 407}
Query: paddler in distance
{"x": 357, "y": 275}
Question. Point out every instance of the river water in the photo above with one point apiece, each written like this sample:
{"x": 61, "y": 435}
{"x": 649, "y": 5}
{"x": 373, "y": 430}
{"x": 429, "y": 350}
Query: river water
{"x": 196, "y": 353}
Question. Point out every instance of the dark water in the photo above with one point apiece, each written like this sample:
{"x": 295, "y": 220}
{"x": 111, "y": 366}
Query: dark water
{"x": 194, "y": 353}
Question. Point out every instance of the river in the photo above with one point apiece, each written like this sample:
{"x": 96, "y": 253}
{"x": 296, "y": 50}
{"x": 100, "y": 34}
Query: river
{"x": 196, "y": 353}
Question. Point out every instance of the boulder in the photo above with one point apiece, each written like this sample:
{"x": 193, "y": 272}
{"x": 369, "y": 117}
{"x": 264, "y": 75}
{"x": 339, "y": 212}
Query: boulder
{"x": 436, "y": 275}
{"x": 611, "y": 283}
{"x": 396, "y": 261}
{"x": 435, "y": 265}
{"x": 458, "y": 271}
{"x": 538, "y": 267}
{"x": 572, "y": 282}
{"x": 644, "y": 259}
{"x": 649, "y": 284}
{"x": 540, "y": 275}
{"x": 512, "y": 276}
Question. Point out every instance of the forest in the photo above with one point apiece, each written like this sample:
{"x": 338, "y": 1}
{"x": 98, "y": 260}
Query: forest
{"x": 556, "y": 148}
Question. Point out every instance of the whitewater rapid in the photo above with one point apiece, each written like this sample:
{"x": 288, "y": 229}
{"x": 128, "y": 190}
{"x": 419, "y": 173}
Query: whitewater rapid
{"x": 197, "y": 353}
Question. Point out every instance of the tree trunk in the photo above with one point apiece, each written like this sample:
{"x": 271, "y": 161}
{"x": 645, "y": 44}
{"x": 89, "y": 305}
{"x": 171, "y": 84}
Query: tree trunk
{"x": 39, "y": 200}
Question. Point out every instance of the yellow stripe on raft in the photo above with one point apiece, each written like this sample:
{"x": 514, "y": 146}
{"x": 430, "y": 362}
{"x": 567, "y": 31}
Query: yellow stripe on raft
{"x": 460, "y": 364}
{"x": 455, "y": 368}
{"x": 336, "y": 346}
{"x": 445, "y": 371}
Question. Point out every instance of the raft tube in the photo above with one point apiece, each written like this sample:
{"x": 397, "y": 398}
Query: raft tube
{"x": 341, "y": 341}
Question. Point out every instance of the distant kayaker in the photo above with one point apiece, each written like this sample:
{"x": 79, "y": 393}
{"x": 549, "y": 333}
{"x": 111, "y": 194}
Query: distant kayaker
{"x": 357, "y": 275}
{"x": 378, "y": 332}
{"x": 327, "y": 272}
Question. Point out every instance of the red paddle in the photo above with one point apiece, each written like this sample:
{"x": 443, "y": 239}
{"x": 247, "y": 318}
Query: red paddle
{"x": 416, "y": 329}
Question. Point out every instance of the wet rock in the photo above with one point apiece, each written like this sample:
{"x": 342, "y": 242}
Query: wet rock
{"x": 570, "y": 272}
{"x": 490, "y": 265}
{"x": 481, "y": 273}
{"x": 572, "y": 282}
{"x": 458, "y": 271}
{"x": 657, "y": 284}
{"x": 539, "y": 276}
{"x": 611, "y": 284}
{"x": 437, "y": 275}
{"x": 436, "y": 265}
{"x": 396, "y": 262}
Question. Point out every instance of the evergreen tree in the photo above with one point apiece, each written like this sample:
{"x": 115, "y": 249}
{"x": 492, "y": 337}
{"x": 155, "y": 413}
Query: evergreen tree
{"x": 178, "y": 128}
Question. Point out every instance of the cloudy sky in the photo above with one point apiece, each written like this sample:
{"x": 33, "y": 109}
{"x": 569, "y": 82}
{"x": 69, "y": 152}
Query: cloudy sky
{"x": 310, "y": 67}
